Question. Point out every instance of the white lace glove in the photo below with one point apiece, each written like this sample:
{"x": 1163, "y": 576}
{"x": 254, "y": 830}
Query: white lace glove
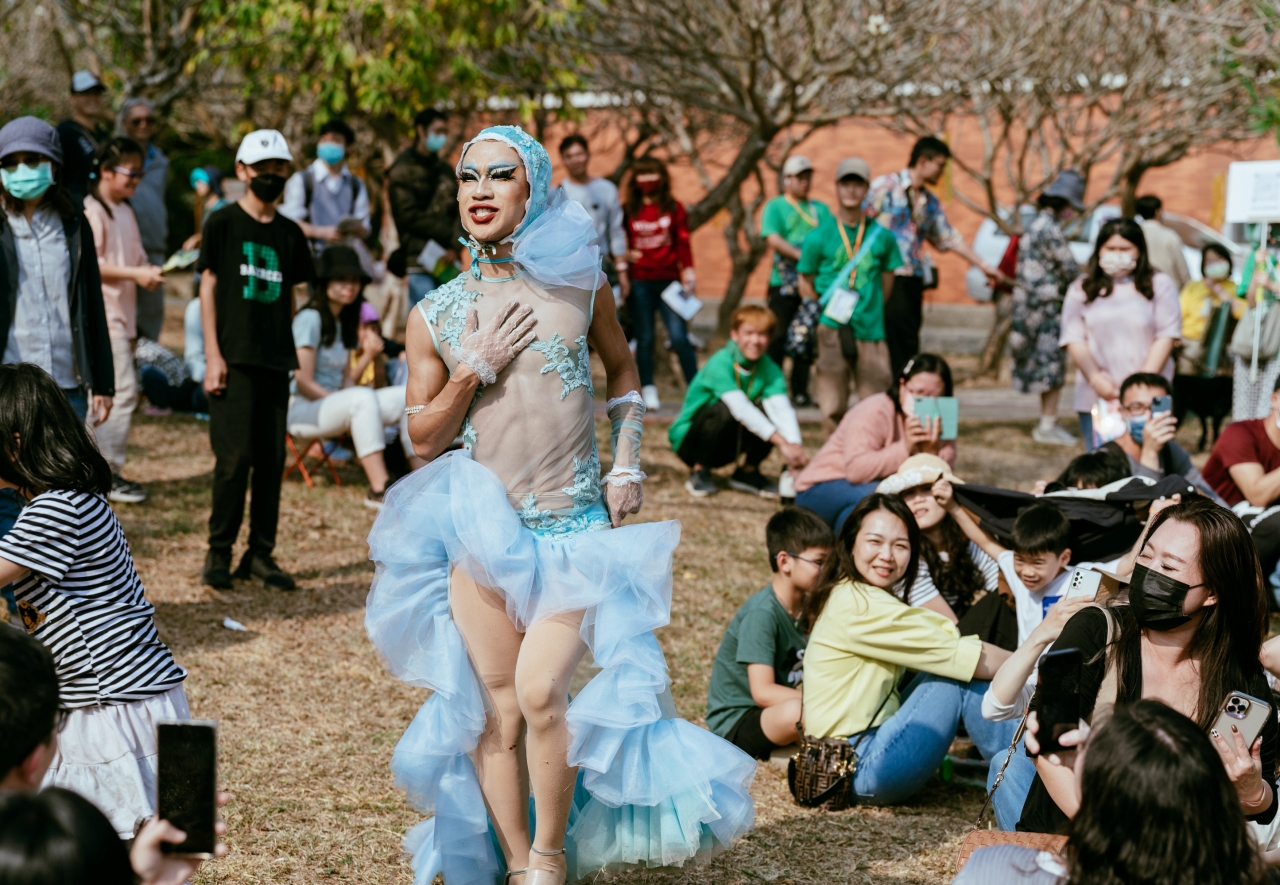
{"x": 623, "y": 492}
{"x": 489, "y": 350}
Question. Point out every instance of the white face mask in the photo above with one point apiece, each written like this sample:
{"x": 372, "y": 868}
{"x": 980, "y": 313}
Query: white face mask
{"x": 1217, "y": 270}
{"x": 1115, "y": 263}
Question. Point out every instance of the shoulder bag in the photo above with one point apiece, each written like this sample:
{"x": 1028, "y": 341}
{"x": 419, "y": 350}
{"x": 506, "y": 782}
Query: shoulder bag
{"x": 821, "y": 772}
{"x": 1268, "y": 334}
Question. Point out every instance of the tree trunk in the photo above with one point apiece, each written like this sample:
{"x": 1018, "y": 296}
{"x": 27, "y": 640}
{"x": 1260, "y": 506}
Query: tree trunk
{"x": 993, "y": 350}
{"x": 1129, "y": 189}
{"x": 743, "y": 259}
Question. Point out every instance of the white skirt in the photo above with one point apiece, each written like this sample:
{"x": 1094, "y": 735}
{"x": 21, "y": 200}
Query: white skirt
{"x": 107, "y": 754}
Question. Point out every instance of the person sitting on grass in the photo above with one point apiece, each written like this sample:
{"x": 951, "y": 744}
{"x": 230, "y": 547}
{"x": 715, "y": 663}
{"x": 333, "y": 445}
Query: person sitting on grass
{"x": 78, "y": 592}
{"x": 1155, "y": 807}
{"x": 737, "y": 407}
{"x": 166, "y": 380}
{"x": 872, "y": 439}
{"x": 1092, "y": 470}
{"x": 863, "y": 639}
{"x": 753, "y": 700}
{"x": 325, "y": 401}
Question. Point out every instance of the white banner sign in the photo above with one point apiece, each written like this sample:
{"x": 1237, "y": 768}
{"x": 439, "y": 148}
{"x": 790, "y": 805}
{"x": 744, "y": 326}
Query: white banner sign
{"x": 1253, "y": 191}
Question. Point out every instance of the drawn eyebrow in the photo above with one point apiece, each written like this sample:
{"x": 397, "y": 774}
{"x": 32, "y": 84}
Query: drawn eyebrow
{"x": 502, "y": 166}
{"x": 469, "y": 166}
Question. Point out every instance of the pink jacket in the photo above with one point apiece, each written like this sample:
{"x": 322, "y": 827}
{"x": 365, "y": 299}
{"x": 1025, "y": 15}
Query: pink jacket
{"x": 868, "y": 444}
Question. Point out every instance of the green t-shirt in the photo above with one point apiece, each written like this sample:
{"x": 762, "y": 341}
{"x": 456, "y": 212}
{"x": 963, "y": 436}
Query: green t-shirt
{"x": 727, "y": 370}
{"x": 760, "y": 633}
{"x": 824, "y": 255}
{"x": 781, "y": 218}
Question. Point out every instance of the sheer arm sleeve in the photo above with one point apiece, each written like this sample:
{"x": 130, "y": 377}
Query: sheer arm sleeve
{"x": 626, "y": 426}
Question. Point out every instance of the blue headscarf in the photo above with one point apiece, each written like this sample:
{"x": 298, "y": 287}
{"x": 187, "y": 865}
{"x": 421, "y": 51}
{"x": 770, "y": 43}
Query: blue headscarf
{"x": 555, "y": 241}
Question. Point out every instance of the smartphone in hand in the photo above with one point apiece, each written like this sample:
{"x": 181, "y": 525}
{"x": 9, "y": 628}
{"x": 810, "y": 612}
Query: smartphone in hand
{"x": 1084, "y": 582}
{"x": 188, "y": 785}
{"x": 1160, "y": 404}
{"x": 1246, "y": 713}
{"x": 1059, "y": 697}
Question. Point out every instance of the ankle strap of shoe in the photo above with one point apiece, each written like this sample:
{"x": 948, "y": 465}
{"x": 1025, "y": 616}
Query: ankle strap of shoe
{"x": 546, "y": 853}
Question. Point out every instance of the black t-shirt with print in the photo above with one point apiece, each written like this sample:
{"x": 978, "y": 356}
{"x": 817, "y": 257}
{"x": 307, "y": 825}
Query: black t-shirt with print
{"x": 256, "y": 265}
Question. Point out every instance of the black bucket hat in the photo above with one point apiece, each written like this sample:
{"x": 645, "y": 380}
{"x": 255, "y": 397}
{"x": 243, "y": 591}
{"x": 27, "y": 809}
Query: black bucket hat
{"x": 340, "y": 261}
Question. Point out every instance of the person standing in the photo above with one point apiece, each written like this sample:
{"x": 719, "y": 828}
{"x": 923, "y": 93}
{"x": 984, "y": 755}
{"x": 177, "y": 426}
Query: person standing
{"x": 1121, "y": 317}
{"x": 424, "y": 203}
{"x": 123, "y": 265}
{"x": 1164, "y": 246}
{"x": 849, "y": 254}
{"x": 1045, "y": 268}
{"x": 251, "y": 259}
{"x": 327, "y": 192}
{"x": 658, "y": 231}
{"x": 138, "y": 120}
{"x": 599, "y": 196}
{"x": 787, "y": 219}
{"x": 83, "y": 133}
{"x": 902, "y": 202}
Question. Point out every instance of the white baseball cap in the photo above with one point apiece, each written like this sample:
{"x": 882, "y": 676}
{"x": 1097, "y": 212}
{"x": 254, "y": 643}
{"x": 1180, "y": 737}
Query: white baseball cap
{"x": 796, "y": 164}
{"x": 84, "y": 81}
{"x": 263, "y": 144}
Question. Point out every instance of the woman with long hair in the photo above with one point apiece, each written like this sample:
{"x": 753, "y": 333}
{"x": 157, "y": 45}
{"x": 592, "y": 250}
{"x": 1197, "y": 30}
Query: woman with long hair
{"x": 873, "y": 439}
{"x": 124, "y": 267}
{"x": 324, "y": 399}
{"x": 1190, "y": 634}
{"x": 1120, "y": 317}
{"x": 500, "y": 566}
{"x": 1155, "y": 806}
{"x": 864, "y": 637}
{"x": 659, "y": 255}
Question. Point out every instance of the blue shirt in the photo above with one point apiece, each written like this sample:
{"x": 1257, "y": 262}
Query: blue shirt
{"x": 41, "y": 329}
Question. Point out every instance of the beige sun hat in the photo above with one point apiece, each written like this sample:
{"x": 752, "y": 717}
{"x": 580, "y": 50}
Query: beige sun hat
{"x": 918, "y": 470}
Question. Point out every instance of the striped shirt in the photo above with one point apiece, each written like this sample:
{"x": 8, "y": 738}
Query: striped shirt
{"x": 923, "y": 590}
{"x": 83, "y": 599}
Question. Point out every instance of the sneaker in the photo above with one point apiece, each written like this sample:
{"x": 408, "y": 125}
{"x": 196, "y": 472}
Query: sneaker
{"x": 125, "y": 492}
{"x": 262, "y": 567}
{"x": 337, "y": 454}
{"x": 650, "y": 394}
{"x": 217, "y": 570}
{"x": 753, "y": 482}
{"x": 373, "y": 500}
{"x": 1054, "y": 436}
{"x": 700, "y": 485}
{"x": 801, "y": 401}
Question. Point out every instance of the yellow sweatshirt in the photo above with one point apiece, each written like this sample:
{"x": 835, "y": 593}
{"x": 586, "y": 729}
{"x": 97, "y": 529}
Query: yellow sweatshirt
{"x": 863, "y": 641}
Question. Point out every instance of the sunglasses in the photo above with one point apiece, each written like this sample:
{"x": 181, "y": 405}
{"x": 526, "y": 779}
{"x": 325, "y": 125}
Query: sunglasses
{"x": 12, "y": 162}
{"x": 138, "y": 121}
{"x": 131, "y": 174}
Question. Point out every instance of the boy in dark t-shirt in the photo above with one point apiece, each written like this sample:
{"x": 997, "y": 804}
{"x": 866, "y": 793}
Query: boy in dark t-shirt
{"x": 753, "y": 700}
{"x": 251, "y": 259}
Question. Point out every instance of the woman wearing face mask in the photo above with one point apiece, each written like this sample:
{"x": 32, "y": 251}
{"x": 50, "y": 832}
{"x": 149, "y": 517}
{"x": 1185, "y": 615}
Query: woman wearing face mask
{"x": 57, "y": 319}
{"x": 1190, "y": 634}
{"x": 864, "y": 637}
{"x": 1119, "y": 318}
{"x": 658, "y": 234}
{"x": 498, "y": 567}
{"x": 1202, "y": 382}
{"x": 873, "y": 439}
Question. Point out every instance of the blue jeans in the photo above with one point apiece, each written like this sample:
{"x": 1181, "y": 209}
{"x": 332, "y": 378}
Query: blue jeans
{"x": 896, "y": 759}
{"x": 646, "y": 297}
{"x": 1086, "y": 430}
{"x": 1008, "y": 801}
{"x": 419, "y": 285}
{"x": 79, "y": 399}
{"x": 835, "y": 499}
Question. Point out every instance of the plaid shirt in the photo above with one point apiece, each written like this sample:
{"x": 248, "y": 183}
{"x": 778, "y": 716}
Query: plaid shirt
{"x": 889, "y": 203}
{"x": 149, "y": 353}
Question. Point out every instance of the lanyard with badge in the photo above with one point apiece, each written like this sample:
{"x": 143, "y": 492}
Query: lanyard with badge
{"x": 811, "y": 220}
{"x": 844, "y": 299}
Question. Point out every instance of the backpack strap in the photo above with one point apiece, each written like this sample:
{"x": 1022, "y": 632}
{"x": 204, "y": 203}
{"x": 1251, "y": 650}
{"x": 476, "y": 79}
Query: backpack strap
{"x": 309, "y": 186}
{"x": 1105, "y": 704}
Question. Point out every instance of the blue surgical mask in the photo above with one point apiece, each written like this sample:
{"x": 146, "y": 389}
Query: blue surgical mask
{"x": 330, "y": 153}
{"x": 1135, "y": 428}
{"x": 435, "y": 142}
{"x": 26, "y": 183}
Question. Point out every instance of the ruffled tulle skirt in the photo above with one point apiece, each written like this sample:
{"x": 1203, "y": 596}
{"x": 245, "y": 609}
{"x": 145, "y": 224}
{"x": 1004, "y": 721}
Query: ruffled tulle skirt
{"x": 653, "y": 790}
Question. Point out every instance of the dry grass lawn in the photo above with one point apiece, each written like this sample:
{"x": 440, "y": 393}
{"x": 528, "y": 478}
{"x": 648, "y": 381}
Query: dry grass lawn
{"x": 308, "y": 717}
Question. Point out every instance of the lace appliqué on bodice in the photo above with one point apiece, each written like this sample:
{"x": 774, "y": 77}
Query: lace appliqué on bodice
{"x": 572, "y": 374}
{"x": 453, "y": 297}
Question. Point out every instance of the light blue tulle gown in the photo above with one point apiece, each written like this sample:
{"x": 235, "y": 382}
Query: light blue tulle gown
{"x": 520, "y": 511}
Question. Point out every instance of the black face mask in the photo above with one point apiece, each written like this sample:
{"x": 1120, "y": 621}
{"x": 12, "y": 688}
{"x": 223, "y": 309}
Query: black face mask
{"x": 1156, "y": 600}
{"x": 267, "y": 186}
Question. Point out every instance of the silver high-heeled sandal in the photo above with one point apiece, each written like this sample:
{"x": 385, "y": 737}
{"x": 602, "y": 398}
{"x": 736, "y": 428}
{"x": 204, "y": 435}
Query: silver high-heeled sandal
{"x": 546, "y": 877}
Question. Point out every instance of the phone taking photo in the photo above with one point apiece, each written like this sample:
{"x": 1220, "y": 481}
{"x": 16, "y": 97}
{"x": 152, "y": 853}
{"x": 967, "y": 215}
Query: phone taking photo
{"x": 1084, "y": 582}
{"x": 187, "y": 785}
{"x": 1246, "y": 713}
{"x": 1058, "y": 692}
{"x": 1163, "y": 403}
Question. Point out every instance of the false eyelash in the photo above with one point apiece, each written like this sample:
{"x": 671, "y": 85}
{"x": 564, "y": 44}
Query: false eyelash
{"x": 468, "y": 176}
{"x": 503, "y": 174}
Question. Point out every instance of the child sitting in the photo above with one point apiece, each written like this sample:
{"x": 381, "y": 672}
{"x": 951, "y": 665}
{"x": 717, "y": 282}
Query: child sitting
{"x": 753, "y": 700}
{"x": 1036, "y": 568}
{"x": 78, "y": 593}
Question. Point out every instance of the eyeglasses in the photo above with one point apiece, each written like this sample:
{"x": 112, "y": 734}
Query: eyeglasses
{"x": 132, "y": 174}
{"x": 818, "y": 562}
{"x": 1136, "y": 409}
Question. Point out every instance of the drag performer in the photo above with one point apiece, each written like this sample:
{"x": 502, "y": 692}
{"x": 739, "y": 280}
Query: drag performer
{"x": 499, "y": 566}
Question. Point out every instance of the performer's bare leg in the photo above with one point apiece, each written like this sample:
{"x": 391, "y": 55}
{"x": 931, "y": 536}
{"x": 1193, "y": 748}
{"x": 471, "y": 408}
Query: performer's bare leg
{"x": 494, "y": 646}
{"x": 548, "y": 656}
